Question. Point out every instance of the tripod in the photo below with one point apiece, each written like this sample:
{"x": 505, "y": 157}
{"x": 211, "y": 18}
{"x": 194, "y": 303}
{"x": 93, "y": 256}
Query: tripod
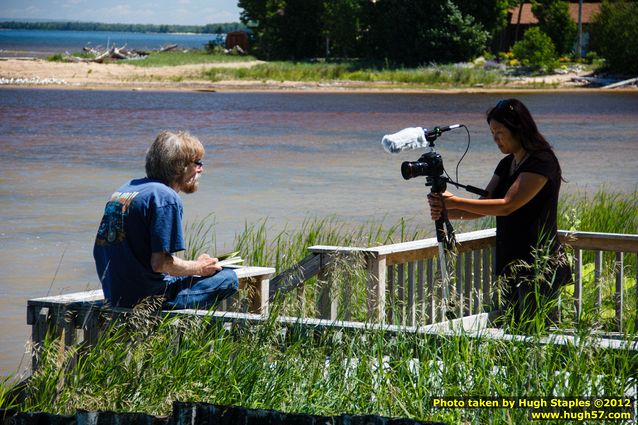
{"x": 430, "y": 164}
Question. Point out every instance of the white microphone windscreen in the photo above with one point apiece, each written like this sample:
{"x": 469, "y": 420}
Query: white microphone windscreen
{"x": 406, "y": 139}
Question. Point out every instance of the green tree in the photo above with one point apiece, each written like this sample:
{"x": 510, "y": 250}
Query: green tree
{"x": 615, "y": 31}
{"x": 342, "y": 26}
{"x": 491, "y": 14}
{"x": 284, "y": 29}
{"x": 405, "y": 32}
{"x": 414, "y": 32}
{"x": 535, "y": 50}
{"x": 554, "y": 20}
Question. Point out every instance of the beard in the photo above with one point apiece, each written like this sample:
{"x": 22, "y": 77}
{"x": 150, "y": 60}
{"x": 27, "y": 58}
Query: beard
{"x": 189, "y": 186}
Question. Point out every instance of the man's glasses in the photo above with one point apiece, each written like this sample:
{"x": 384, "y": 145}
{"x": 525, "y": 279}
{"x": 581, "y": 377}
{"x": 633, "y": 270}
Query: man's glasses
{"x": 198, "y": 162}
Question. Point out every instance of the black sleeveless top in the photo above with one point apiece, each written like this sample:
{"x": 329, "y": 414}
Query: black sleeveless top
{"x": 533, "y": 224}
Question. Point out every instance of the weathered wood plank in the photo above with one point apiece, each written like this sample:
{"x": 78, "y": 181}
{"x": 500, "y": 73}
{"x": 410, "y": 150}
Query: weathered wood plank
{"x": 411, "y": 312}
{"x": 401, "y": 293}
{"x": 598, "y": 272}
{"x": 578, "y": 283}
{"x": 467, "y": 295}
{"x": 486, "y": 274}
{"x": 296, "y": 275}
{"x": 326, "y": 302}
{"x": 431, "y": 302}
{"x": 620, "y": 277}
{"x": 421, "y": 290}
{"x": 477, "y": 281}
{"x": 376, "y": 286}
{"x": 600, "y": 241}
{"x": 390, "y": 297}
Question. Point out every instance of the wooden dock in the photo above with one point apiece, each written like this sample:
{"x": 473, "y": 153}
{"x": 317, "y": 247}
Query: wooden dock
{"x": 403, "y": 292}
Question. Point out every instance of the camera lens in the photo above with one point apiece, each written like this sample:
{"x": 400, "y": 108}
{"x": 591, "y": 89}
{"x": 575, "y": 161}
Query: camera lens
{"x": 410, "y": 170}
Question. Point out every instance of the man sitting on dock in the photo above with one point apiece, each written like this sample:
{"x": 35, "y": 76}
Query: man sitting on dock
{"x": 142, "y": 229}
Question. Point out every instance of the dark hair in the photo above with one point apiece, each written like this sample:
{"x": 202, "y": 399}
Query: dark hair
{"x": 514, "y": 115}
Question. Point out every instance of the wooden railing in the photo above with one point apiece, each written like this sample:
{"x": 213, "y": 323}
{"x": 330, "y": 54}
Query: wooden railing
{"x": 599, "y": 243}
{"x": 403, "y": 285}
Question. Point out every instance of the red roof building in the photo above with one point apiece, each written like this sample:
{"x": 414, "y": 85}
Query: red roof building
{"x": 516, "y": 28}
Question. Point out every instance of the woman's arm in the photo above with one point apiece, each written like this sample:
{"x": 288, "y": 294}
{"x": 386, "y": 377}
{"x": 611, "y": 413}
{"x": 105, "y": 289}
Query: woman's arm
{"x": 526, "y": 186}
{"x": 462, "y": 215}
{"x": 459, "y": 214}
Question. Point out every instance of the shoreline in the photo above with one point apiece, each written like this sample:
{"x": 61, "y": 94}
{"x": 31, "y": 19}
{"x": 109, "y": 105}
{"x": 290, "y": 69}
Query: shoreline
{"x": 42, "y": 74}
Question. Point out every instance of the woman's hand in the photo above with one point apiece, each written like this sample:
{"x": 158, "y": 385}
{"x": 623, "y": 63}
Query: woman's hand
{"x": 438, "y": 203}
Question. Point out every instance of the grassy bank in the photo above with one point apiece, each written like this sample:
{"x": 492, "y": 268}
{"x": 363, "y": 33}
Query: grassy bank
{"x": 189, "y": 58}
{"x": 148, "y": 362}
{"x": 442, "y": 75}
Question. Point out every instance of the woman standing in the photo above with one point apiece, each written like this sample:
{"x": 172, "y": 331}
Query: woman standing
{"x": 523, "y": 195}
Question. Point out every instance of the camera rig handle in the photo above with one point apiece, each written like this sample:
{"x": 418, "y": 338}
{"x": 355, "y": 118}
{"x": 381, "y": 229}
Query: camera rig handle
{"x": 444, "y": 229}
{"x": 469, "y": 188}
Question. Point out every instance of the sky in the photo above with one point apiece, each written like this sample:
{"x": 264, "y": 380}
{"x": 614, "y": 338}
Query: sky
{"x": 177, "y": 12}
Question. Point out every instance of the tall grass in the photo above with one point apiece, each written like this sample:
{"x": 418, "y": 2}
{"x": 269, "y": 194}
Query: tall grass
{"x": 354, "y": 71}
{"x": 148, "y": 362}
{"x": 605, "y": 211}
{"x": 145, "y": 365}
{"x": 191, "y": 57}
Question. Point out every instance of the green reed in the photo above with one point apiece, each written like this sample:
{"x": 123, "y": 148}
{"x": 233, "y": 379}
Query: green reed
{"x": 605, "y": 211}
{"x": 149, "y": 361}
{"x": 143, "y": 365}
{"x": 446, "y": 75}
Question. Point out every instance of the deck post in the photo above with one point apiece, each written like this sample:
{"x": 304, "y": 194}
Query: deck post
{"x": 327, "y": 298}
{"x": 259, "y": 289}
{"x": 578, "y": 283}
{"x": 376, "y": 265}
{"x": 40, "y": 321}
{"x": 620, "y": 277}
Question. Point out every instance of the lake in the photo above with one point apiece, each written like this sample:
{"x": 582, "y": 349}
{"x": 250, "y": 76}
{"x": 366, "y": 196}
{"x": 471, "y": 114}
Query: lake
{"x": 280, "y": 156}
{"x": 43, "y": 43}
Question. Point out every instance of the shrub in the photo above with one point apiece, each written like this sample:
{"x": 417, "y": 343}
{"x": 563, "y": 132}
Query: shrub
{"x": 616, "y": 32}
{"x": 554, "y": 20}
{"x": 536, "y": 50}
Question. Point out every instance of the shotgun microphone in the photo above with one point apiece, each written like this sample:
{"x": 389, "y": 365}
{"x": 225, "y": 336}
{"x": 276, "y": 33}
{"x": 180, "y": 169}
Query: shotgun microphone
{"x": 413, "y": 138}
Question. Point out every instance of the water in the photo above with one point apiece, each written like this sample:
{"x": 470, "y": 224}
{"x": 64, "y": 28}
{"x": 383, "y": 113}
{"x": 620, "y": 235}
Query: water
{"x": 284, "y": 156}
{"x": 43, "y": 43}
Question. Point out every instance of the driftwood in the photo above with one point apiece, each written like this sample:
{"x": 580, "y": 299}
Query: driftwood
{"x": 113, "y": 52}
{"x": 605, "y": 83}
{"x": 628, "y": 82}
{"x": 168, "y": 47}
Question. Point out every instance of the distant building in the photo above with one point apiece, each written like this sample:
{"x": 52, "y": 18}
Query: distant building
{"x": 237, "y": 38}
{"x": 522, "y": 19}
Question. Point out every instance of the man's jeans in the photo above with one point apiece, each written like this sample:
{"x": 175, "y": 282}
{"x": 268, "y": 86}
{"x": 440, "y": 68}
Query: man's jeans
{"x": 200, "y": 292}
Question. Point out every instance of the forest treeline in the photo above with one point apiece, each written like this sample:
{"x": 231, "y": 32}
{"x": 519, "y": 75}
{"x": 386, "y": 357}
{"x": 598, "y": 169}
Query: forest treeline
{"x": 97, "y": 26}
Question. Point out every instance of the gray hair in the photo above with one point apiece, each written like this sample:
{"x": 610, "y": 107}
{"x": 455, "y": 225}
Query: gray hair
{"x": 170, "y": 154}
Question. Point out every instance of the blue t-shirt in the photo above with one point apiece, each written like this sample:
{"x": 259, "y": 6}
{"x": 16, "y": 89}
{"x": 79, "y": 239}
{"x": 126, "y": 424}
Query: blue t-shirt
{"x": 143, "y": 216}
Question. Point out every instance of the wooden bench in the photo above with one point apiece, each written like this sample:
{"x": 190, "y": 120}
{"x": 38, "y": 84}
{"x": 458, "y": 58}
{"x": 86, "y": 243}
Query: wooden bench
{"x": 68, "y": 315}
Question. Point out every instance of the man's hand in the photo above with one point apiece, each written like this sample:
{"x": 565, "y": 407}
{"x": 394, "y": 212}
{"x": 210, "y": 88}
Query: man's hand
{"x": 208, "y": 265}
{"x": 205, "y": 265}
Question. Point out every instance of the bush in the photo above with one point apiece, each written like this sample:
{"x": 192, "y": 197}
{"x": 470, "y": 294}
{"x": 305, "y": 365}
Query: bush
{"x": 536, "y": 50}
{"x": 616, "y": 32}
{"x": 554, "y": 20}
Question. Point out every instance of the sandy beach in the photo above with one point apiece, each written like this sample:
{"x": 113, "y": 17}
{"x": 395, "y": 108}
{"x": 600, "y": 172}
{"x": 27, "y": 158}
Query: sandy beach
{"x": 42, "y": 73}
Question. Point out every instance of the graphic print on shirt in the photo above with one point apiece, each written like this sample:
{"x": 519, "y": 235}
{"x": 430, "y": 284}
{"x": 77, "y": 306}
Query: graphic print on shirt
{"x": 112, "y": 226}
